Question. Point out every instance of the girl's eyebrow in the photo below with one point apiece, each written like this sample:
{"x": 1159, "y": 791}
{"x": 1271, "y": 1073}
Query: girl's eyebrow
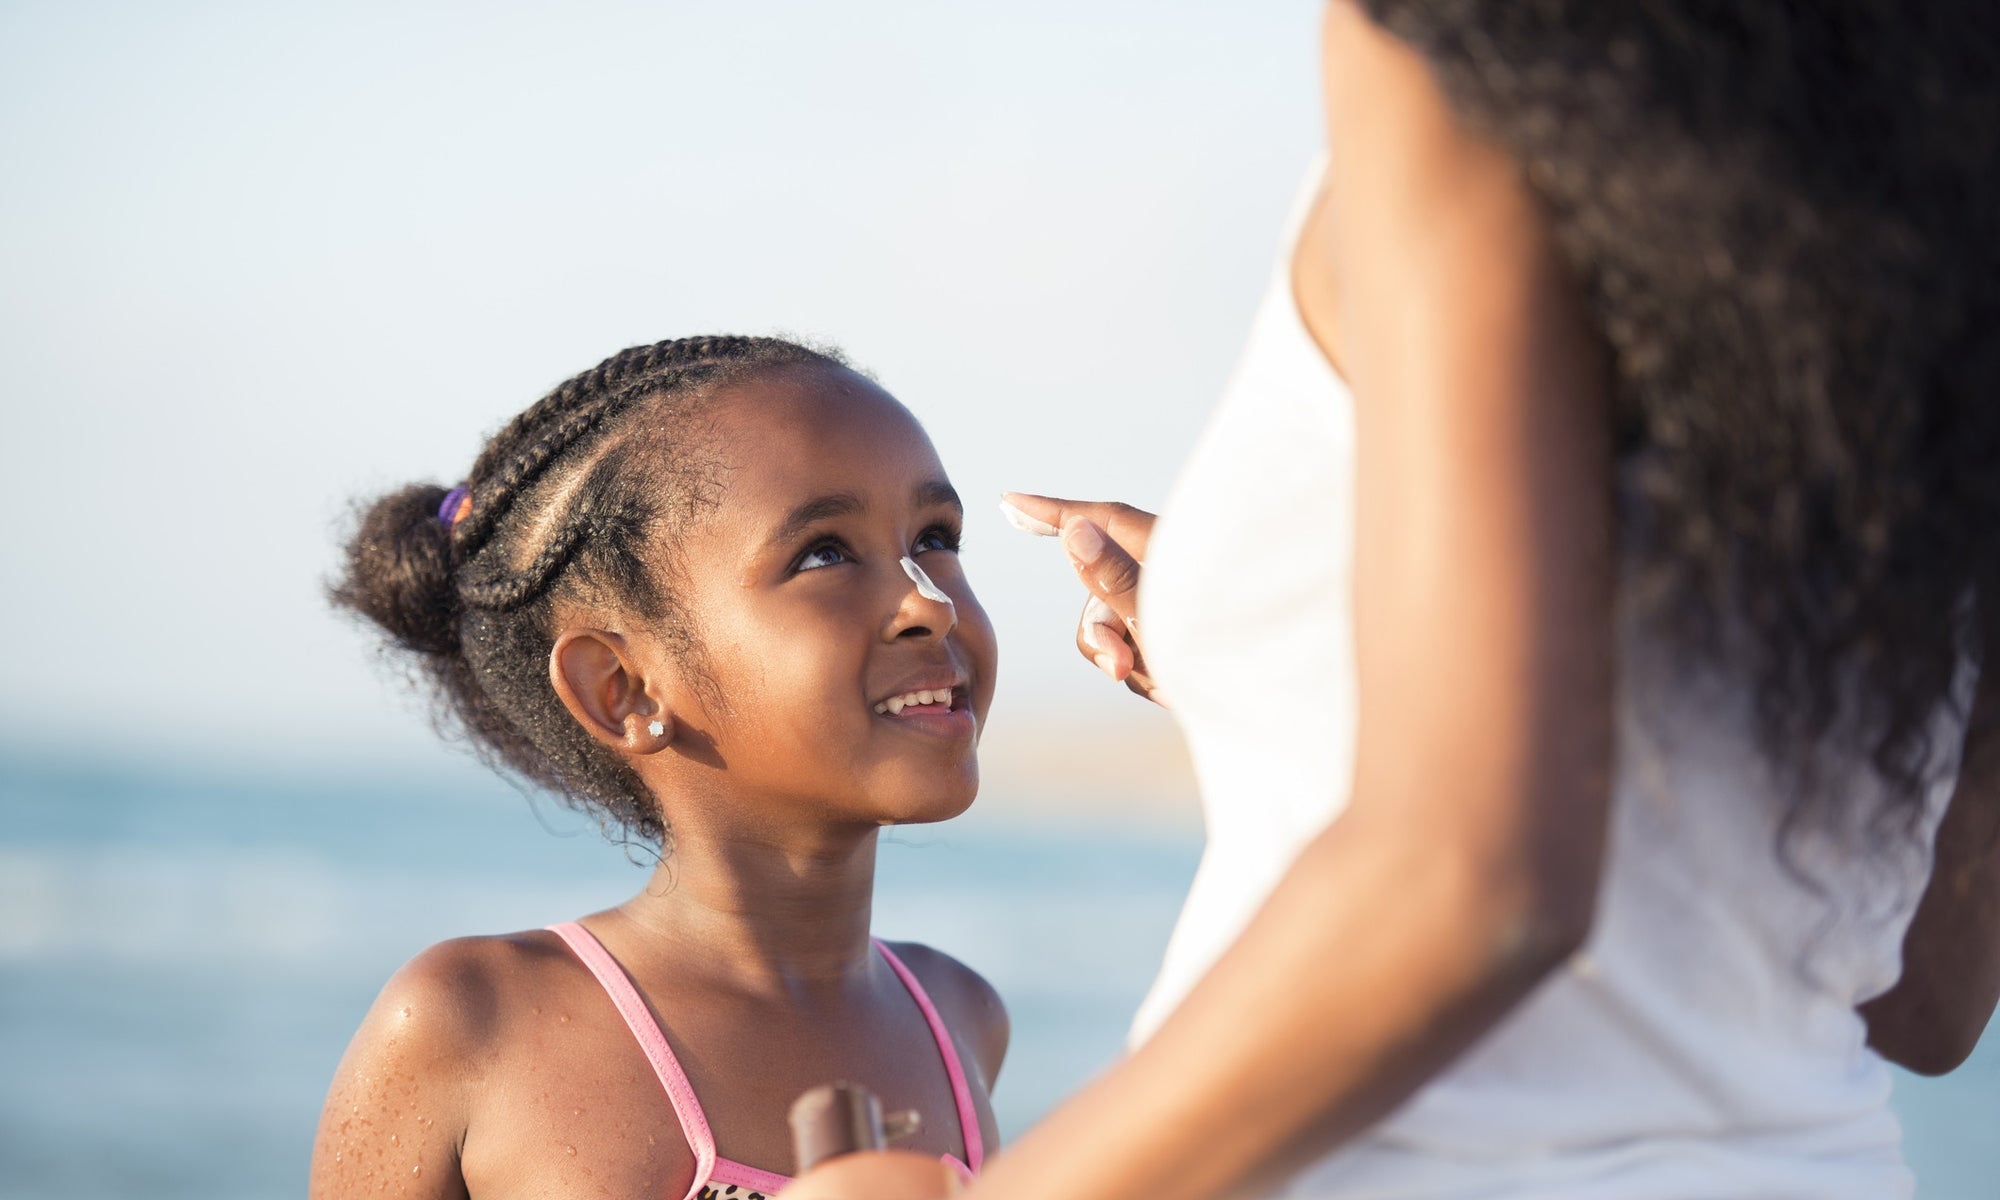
{"x": 840, "y": 504}
{"x": 937, "y": 491}
{"x": 819, "y": 508}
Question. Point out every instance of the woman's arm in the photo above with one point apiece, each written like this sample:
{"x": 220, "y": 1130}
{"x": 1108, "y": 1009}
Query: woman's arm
{"x": 1931, "y": 1020}
{"x": 1466, "y": 866}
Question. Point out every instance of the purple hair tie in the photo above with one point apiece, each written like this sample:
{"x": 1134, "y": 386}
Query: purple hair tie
{"x": 454, "y": 505}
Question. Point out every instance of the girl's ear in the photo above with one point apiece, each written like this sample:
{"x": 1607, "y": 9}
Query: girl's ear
{"x": 605, "y": 688}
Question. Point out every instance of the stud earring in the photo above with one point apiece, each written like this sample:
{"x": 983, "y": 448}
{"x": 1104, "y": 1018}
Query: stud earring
{"x": 657, "y": 729}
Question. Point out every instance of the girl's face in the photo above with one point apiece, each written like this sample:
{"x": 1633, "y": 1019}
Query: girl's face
{"x": 812, "y": 632}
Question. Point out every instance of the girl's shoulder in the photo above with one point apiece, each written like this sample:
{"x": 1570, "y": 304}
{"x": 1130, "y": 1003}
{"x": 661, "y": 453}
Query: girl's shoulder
{"x": 968, "y": 1004}
{"x": 416, "y": 1076}
{"x": 457, "y": 1001}
{"x": 473, "y": 985}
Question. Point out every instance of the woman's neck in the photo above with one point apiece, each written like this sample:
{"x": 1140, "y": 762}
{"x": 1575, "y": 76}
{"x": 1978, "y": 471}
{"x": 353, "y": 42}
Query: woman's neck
{"x": 765, "y": 916}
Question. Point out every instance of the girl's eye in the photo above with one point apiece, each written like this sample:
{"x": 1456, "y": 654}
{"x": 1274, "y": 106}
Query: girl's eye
{"x": 821, "y": 554}
{"x": 937, "y": 537}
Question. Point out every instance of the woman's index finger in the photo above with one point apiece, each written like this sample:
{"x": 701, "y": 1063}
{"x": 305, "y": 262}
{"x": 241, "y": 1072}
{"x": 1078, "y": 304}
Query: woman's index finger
{"x": 1129, "y": 527}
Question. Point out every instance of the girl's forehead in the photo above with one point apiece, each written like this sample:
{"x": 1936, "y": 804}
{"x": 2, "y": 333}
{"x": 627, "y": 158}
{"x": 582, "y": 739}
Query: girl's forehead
{"x": 812, "y": 428}
{"x": 808, "y": 406}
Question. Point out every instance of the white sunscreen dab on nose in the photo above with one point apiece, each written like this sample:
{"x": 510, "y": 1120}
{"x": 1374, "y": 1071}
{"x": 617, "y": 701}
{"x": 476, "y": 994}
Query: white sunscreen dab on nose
{"x": 925, "y": 588}
{"x": 1025, "y": 523}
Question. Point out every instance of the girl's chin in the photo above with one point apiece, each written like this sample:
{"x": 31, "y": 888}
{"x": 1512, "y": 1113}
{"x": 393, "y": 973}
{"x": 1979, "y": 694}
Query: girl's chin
{"x": 931, "y": 808}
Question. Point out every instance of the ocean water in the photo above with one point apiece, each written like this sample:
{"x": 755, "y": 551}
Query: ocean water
{"x": 182, "y": 959}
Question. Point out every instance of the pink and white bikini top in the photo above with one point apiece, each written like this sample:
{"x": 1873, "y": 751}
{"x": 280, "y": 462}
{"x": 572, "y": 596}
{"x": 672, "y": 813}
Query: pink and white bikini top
{"x": 715, "y": 1177}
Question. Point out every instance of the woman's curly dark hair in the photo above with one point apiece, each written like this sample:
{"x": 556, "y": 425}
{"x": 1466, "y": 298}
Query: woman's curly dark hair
{"x": 577, "y": 498}
{"x": 1785, "y": 217}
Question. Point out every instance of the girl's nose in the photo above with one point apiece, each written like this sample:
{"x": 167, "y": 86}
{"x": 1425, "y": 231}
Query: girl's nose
{"x": 925, "y": 588}
{"x": 926, "y": 610}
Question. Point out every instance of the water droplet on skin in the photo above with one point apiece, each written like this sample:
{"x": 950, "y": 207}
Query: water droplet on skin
{"x": 564, "y": 1018}
{"x": 392, "y": 1139}
{"x": 570, "y": 1150}
{"x": 417, "y": 1170}
{"x": 578, "y": 1111}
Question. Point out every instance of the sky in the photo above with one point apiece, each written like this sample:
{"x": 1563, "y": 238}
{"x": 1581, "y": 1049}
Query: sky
{"x": 258, "y": 260}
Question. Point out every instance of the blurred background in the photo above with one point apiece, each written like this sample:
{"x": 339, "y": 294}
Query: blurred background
{"x": 260, "y": 260}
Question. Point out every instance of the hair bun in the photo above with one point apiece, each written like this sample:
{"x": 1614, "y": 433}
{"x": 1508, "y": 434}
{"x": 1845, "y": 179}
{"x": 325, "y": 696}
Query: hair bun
{"x": 398, "y": 571}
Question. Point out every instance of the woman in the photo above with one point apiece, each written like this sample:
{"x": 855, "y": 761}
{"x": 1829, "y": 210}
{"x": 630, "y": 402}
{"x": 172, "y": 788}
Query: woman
{"x": 1653, "y": 381}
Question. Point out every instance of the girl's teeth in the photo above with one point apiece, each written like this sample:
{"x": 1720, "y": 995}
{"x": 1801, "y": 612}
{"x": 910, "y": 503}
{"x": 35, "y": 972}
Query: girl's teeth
{"x": 895, "y": 705}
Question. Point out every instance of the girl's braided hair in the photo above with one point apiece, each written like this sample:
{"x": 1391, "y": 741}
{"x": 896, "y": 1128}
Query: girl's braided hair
{"x": 1786, "y": 220}
{"x": 577, "y": 499}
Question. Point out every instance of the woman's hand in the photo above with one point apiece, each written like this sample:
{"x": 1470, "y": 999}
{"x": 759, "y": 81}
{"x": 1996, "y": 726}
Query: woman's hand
{"x": 875, "y": 1175}
{"x": 1106, "y": 543}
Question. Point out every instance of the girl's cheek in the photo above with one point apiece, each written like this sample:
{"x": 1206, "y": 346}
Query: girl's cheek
{"x": 976, "y": 632}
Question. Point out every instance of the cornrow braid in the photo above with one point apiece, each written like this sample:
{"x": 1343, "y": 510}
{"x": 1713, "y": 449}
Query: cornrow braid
{"x": 606, "y": 377}
{"x": 504, "y": 593}
{"x": 581, "y": 496}
{"x": 493, "y": 498}
{"x": 570, "y": 412}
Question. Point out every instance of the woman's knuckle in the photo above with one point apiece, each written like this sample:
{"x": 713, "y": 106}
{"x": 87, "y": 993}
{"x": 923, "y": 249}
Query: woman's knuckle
{"x": 1120, "y": 576}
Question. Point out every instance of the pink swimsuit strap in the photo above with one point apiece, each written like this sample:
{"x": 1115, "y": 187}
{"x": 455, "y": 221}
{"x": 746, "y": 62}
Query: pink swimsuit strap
{"x": 708, "y": 1166}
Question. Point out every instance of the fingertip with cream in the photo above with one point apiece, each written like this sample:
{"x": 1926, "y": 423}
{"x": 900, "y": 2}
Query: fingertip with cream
{"x": 1025, "y": 523}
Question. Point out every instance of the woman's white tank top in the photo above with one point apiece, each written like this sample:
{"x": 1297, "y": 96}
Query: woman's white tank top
{"x": 1705, "y": 1043}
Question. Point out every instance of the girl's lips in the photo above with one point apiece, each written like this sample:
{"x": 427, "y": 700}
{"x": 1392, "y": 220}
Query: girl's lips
{"x": 934, "y": 719}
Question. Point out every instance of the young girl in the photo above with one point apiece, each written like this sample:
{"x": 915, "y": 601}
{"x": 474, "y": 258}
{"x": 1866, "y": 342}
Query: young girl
{"x": 710, "y": 591}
